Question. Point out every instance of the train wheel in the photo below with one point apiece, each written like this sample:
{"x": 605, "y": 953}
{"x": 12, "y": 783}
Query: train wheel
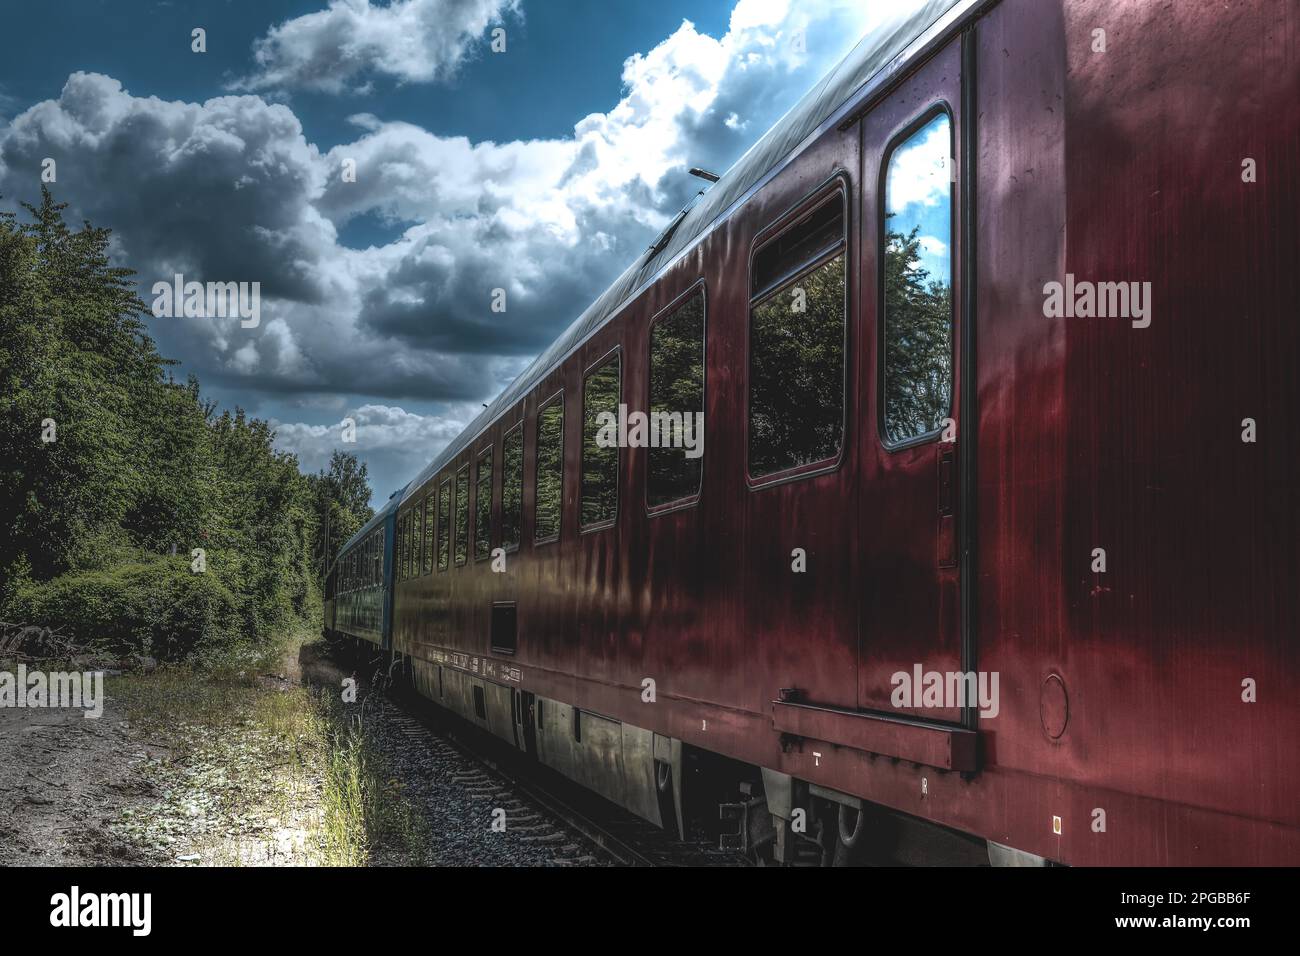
{"x": 848, "y": 844}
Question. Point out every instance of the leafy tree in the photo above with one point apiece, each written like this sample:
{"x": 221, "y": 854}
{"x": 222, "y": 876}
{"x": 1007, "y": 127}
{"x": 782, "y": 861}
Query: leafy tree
{"x": 98, "y": 527}
{"x": 341, "y": 500}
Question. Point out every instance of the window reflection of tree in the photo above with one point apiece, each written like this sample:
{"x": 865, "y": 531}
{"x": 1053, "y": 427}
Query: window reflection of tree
{"x": 512, "y": 488}
{"x": 430, "y": 520}
{"x": 483, "y": 506}
{"x": 444, "y": 521}
{"x": 796, "y": 371}
{"x": 599, "y": 465}
{"x": 917, "y": 315}
{"x": 417, "y": 542}
{"x": 918, "y": 341}
{"x": 404, "y": 545}
{"x": 550, "y": 470}
{"x": 462, "y": 514}
{"x": 676, "y": 385}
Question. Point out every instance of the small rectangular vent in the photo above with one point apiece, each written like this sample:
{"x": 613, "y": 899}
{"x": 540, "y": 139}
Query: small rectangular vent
{"x": 505, "y": 635}
{"x": 480, "y": 703}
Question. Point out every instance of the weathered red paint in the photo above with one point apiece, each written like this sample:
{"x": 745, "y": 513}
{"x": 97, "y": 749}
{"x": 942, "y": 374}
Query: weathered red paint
{"x": 1116, "y": 166}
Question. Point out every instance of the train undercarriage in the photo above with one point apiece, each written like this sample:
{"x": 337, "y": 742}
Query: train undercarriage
{"x": 770, "y": 817}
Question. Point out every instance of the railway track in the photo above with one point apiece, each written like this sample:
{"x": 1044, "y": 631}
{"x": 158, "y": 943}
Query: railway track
{"x": 542, "y": 808}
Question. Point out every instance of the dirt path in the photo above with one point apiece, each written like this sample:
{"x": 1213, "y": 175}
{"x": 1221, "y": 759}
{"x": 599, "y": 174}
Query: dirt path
{"x": 174, "y": 772}
{"x": 254, "y": 769}
{"x": 64, "y": 779}
{"x": 191, "y": 769}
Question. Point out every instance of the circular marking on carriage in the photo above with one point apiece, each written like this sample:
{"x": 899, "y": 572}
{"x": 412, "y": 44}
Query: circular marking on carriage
{"x": 1053, "y": 707}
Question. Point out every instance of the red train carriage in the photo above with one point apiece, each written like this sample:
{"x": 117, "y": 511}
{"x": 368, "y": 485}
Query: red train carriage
{"x": 994, "y": 341}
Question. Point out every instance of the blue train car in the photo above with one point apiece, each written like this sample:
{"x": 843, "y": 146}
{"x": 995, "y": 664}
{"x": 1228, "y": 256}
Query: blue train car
{"x": 358, "y": 591}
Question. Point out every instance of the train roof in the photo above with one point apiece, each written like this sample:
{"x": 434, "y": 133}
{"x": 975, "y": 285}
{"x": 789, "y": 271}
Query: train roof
{"x": 880, "y": 52}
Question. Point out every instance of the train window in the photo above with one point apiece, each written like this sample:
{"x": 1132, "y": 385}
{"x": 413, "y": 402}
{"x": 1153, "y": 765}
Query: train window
{"x": 796, "y": 344}
{"x": 917, "y": 313}
{"x": 462, "y": 514}
{"x": 444, "y": 521}
{"x": 483, "y": 505}
{"x": 402, "y": 544}
{"x": 406, "y": 548}
{"x": 677, "y": 391}
{"x": 549, "y": 478}
{"x": 417, "y": 543}
{"x": 417, "y": 539}
{"x": 512, "y": 487}
{"x": 430, "y": 506}
{"x": 402, "y": 548}
{"x": 600, "y": 395}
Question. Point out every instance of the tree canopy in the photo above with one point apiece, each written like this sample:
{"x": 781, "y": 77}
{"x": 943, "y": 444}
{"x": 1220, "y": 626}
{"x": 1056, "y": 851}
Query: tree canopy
{"x": 106, "y": 461}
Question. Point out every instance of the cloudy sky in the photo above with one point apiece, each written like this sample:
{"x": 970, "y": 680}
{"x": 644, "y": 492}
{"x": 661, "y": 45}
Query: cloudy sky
{"x": 543, "y": 169}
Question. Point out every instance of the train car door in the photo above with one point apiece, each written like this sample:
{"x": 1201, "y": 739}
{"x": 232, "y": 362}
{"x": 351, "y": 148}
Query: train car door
{"x": 910, "y": 620}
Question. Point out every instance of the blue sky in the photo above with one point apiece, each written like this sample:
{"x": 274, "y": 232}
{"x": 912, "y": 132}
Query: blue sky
{"x": 544, "y": 170}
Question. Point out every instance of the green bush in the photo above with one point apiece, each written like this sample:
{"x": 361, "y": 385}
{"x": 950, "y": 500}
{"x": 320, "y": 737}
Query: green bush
{"x": 157, "y": 608}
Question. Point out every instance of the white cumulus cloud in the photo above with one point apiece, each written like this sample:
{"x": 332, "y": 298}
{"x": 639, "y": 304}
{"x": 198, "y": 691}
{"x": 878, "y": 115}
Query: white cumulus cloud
{"x": 333, "y": 50}
{"x": 232, "y": 189}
